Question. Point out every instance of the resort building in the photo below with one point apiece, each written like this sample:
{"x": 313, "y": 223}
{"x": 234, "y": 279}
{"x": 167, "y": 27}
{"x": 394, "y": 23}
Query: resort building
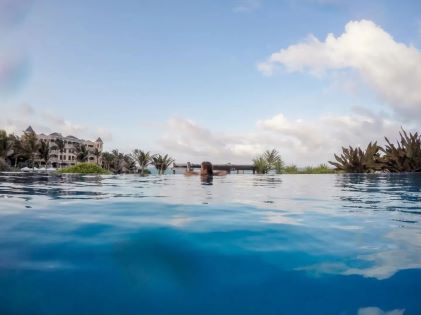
{"x": 68, "y": 156}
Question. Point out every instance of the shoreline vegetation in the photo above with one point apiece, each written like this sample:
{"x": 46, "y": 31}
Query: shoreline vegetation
{"x": 404, "y": 156}
{"x": 271, "y": 162}
{"x": 29, "y": 152}
{"x": 84, "y": 168}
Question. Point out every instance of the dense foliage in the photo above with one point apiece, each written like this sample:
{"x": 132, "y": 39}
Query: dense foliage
{"x": 84, "y": 168}
{"x": 269, "y": 160}
{"x": 162, "y": 162}
{"x": 136, "y": 162}
{"x": 143, "y": 158}
{"x": 356, "y": 160}
{"x": 405, "y": 156}
{"x": 272, "y": 161}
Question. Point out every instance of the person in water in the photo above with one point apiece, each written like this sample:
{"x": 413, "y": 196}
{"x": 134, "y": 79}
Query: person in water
{"x": 206, "y": 169}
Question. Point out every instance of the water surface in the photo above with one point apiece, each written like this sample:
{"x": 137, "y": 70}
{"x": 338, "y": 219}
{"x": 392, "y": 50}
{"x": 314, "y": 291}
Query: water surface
{"x": 240, "y": 244}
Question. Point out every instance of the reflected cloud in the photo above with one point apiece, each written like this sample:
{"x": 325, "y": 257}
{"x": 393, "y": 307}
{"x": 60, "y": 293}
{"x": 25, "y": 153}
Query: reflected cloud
{"x": 329, "y": 217}
{"x": 378, "y": 311}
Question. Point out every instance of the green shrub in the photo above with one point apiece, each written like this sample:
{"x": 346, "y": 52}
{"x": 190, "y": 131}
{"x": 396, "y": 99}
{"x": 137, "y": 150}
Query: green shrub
{"x": 269, "y": 160}
{"x": 262, "y": 166}
{"x": 84, "y": 168}
{"x": 290, "y": 169}
{"x": 321, "y": 169}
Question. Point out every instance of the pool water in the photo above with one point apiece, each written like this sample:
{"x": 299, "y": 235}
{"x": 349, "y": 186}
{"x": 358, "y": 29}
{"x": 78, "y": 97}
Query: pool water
{"x": 239, "y": 244}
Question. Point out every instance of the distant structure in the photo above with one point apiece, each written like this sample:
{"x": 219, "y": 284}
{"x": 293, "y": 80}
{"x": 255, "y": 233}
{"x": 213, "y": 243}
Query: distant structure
{"x": 69, "y": 155}
{"x": 229, "y": 168}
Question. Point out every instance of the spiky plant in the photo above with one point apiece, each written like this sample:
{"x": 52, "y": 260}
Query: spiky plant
{"x": 143, "y": 159}
{"x": 279, "y": 166}
{"x": 355, "y": 160}
{"x": 405, "y": 156}
{"x": 262, "y": 165}
{"x": 272, "y": 157}
{"x": 269, "y": 160}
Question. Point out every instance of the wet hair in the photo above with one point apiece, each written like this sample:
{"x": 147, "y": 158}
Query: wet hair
{"x": 208, "y": 167}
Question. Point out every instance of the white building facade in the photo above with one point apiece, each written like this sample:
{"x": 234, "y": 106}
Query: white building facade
{"x": 69, "y": 155}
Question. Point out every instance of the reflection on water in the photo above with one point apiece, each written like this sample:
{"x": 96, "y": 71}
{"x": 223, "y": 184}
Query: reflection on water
{"x": 206, "y": 180}
{"x": 239, "y": 244}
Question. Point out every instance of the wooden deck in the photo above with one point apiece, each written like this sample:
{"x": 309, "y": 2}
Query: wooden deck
{"x": 220, "y": 167}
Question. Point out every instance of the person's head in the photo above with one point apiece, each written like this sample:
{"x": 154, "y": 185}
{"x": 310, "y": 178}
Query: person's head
{"x": 206, "y": 169}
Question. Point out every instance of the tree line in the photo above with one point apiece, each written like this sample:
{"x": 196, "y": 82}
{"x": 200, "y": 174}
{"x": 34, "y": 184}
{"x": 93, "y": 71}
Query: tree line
{"x": 138, "y": 160}
{"x": 23, "y": 151}
{"x": 17, "y": 152}
{"x": 270, "y": 160}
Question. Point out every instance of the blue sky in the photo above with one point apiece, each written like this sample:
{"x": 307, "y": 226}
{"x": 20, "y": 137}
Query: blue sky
{"x": 183, "y": 77}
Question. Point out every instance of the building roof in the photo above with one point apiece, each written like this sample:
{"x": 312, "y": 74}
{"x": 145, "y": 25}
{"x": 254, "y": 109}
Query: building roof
{"x": 99, "y": 140}
{"x": 30, "y": 130}
{"x": 72, "y": 137}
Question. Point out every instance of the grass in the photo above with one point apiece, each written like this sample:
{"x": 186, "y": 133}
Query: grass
{"x": 83, "y": 168}
{"x": 321, "y": 169}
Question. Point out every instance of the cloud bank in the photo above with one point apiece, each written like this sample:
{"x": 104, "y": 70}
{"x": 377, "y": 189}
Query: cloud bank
{"x": 391, "y": 69}
{"x": 16, "y": 119}
{"x": 302, "y": 142}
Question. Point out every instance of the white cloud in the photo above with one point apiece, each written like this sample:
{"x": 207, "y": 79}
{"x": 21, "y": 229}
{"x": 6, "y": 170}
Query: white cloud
{"x": 15, "y": 119}
{"x": 391, "y": 69}
{"x": 302, "y": 142}
{"x": 247, "y": 5}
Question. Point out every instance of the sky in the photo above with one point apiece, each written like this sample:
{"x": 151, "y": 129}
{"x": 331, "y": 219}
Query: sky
{"x": 218, "y": 80}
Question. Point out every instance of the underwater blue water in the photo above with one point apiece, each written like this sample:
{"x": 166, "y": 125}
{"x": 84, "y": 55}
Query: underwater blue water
{"x": 240, "y": 244}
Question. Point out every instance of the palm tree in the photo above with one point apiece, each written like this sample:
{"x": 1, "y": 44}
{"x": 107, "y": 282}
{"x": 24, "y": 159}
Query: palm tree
{"x": 60, "y": 145}
{"x": 162, "y": 162}
{"x": 118, "y": 159}
{"x": 6, "y": 144}
{"x": 44, "y": 151}
{"x": 269, "y": 160}
{"x": 97, "y": 154}
{"x": 30, "y": 146}
{"x": 261, "y": 164}
{"x": 129, "y": 163}
{"x": 82, "y": 152}
{"x": 107, "y": 160}
{"x": 272, "y": 156}
{"x": 17, "y": 148}
{"x": 143, "y": 159}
